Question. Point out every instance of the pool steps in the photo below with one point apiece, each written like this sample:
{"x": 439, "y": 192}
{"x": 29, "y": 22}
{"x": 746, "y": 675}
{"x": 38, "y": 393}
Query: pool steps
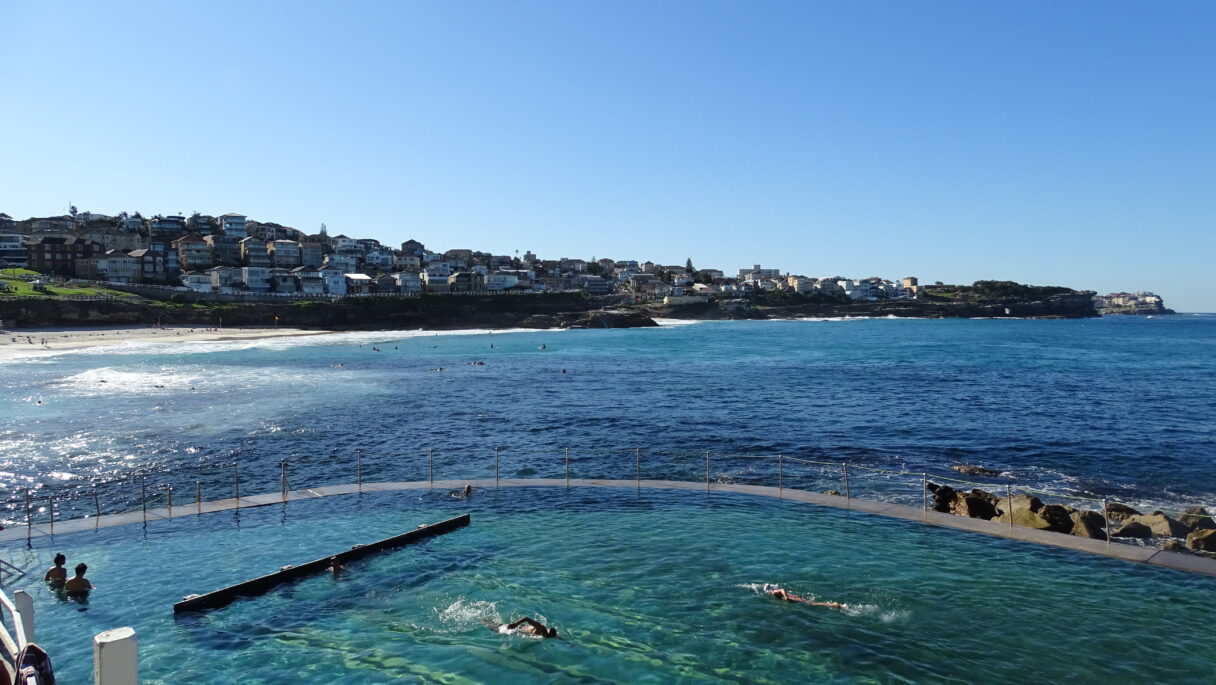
{"x": 1146, "y": 555}
{"x": 263, "y": 584}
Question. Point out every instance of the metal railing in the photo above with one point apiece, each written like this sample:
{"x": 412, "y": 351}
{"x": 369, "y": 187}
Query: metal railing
{"x": 133, "y": 492}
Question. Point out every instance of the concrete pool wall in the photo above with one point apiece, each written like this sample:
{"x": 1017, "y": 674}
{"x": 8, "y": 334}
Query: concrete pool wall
{"x": 1146, "y": 555}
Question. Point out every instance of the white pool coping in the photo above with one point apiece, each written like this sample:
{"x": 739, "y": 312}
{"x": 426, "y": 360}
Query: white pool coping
{"x": 1146, "y": 555}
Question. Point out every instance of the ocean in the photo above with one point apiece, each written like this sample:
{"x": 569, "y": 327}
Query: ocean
{"x": 1118, "y": 407}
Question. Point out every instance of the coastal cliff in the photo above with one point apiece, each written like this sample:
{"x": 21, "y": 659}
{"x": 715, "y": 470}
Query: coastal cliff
{"x": 1071, "y": 305}
{"x": 559, "y": 310}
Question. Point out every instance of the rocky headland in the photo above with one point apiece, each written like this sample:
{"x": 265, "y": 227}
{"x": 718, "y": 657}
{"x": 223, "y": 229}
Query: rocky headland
{"x": 1070, "y": 305}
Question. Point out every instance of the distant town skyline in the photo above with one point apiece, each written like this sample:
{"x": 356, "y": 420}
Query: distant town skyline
{"x": 1035, "y": 142}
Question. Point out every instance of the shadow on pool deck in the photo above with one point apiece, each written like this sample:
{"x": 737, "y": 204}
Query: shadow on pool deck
{"x": 1146, "y": 555}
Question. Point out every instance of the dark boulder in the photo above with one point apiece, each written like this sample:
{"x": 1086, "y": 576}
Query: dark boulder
{"x": 832, "y": 492}
{"x": 973, "y": 470}
{"x": 1133, "y": 529}
{"x": 1202, "y": 540}
{"x": 1160, "y": 524}
{"x": 976, "y": 504}
{"x": 1058, "y": 517}
{"x": 1023, "y": 510}
{"x": 943, "y": 497}
{"x": 1088, "y": 524}
{"x": 1197, "y": 518}
{"x": 1118, "y": 512}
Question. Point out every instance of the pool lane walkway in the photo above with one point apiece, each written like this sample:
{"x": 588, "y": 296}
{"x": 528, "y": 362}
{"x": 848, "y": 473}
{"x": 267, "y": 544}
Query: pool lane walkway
{"x": 1145, "y": 555}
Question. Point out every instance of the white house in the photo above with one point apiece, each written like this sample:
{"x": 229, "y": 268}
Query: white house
{"x": 408, "y": 282}
{"x": 234, "y": 225}
{"x": 334, "y": 278}
{"x": 256, "y": 278}
{"x": 198, "y": 281}
{"x": 499, "y": 280}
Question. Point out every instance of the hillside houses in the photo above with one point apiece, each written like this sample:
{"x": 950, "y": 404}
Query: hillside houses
{"x": 233, "y": 253}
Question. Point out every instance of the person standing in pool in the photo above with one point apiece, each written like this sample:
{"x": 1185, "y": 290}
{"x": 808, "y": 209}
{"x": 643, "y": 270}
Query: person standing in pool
{"x": 78, "y": 584}
{"x": 57, "y": 575}
{"x": 524, "y": 626}
{"x": 783, "y": 595}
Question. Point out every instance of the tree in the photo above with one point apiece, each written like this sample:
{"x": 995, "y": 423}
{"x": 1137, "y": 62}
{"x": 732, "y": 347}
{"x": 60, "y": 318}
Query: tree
{"x": 688, "y": 266}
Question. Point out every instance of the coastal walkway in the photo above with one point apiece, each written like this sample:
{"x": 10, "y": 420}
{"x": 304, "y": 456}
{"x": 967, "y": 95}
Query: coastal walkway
{"x": 1145, "y": 555}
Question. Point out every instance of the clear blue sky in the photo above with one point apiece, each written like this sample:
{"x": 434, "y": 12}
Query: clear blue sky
{"x": 1051, "y": 142}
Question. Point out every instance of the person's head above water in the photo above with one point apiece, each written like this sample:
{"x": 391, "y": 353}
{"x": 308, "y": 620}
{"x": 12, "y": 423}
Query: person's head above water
{"x": 60, "y": 560}
{"x": 468, "y": 489}
{"x": 81, "y": 568}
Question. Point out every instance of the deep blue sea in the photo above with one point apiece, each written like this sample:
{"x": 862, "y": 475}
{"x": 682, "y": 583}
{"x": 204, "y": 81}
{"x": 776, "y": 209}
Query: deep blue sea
{"x": 1119, "y": 407}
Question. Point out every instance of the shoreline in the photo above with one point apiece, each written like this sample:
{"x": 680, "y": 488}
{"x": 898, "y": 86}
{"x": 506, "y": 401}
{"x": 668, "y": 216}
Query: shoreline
{"x": 59, "y": 339}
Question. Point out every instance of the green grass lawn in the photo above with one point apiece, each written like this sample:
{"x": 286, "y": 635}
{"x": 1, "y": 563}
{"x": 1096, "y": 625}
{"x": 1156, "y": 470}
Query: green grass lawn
{"x": 17, "y": 286}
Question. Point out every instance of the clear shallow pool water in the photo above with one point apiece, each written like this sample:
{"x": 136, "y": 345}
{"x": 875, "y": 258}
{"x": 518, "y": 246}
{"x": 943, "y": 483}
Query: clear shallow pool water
{"x": 654, "y": 586}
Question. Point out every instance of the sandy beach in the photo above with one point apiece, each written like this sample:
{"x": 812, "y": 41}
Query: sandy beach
{"x": 17, "y": 341}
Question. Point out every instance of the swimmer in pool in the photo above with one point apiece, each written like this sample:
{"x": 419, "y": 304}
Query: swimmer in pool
{"x": 57, "y": 575}
{"x": 524, "y": 626}
{"x": 783, "y": 595}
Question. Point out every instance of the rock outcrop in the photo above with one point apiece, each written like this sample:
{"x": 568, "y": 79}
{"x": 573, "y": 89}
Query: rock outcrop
{"x": 1197, "y": 518}
{"x": 1118, "y": 512}
{"x": 973, "y": 470}
{"x": 1088, "y": 524}
{"x": 1157, "y": 523}
{"x": 1202, "y": 540}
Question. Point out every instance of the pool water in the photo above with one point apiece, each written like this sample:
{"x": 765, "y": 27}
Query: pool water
{"x": 644, "y": 587}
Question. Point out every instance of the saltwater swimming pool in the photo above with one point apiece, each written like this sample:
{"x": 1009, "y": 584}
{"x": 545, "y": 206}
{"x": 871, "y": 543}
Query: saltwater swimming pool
{"x": 654, "y": 586}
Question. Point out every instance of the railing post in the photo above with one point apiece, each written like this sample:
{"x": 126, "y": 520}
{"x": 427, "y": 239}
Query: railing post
{"x": 430, "y": 466}
{"x": 848, "y": 494}
{"x": 198, "y": 496}
{"x": 29, "y": 516}
{"x": 780, "y": 474}
{"x": 236, "y": 483}
{"x": 567, "y": 467}
{"x": 143, "y": 495}
{"x": 637, "y": 459}
{"x": 925, "y": 492}
{"x": 283, "y": 480}
{"x": 706, "y": 470}
{"x": 169, "y": 495}
{"x": 359, "y": 468}
{"x": 96, "y": 508}
{"x": 1009, "y": 499}
{"x": 1106, "y": 520}
{"x": 50, "y": 500}
{"x": 496, "y": 467}
{"x": 23, "y": 602}
{"x": 115, "y": 657}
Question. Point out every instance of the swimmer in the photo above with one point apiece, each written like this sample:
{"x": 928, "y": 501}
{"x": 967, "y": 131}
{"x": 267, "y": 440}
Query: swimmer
{"x": 524, "y": 626}
{"x": 78, "y": 584}
{"x": 336, "y": 567}
{"x": 780, "y": 593}
{"x": 57, "y": 575}
{"x": 466, "y": 491}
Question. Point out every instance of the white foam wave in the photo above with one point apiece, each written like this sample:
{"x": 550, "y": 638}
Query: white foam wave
{"x": 150, "y": 347}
